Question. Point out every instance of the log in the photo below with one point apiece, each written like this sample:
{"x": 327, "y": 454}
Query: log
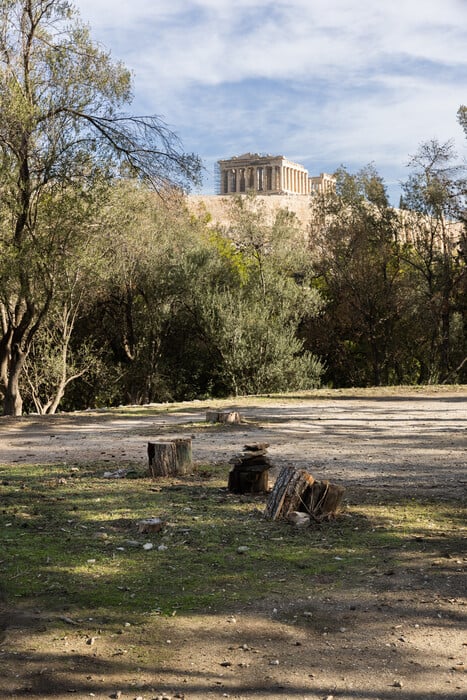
{"x": 297, "y": 490}
{"x": 223, "y": 417}
{"x": 169, "y": 458}
{"x": 287, "y": 491}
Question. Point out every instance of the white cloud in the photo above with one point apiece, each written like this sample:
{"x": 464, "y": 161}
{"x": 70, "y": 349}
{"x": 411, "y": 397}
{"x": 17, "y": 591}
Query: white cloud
{"x": 210, "y": 42}
{"x": 320, "y": 81}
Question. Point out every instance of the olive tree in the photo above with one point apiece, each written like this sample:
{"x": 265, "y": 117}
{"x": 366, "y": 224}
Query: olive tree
{"x": 62, "y": 127}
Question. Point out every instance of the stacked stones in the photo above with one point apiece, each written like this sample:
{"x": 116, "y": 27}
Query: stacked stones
{"x": 249, "y": 473}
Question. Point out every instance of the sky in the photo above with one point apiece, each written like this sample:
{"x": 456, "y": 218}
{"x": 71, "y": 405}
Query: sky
{"x": 324, "y": 83}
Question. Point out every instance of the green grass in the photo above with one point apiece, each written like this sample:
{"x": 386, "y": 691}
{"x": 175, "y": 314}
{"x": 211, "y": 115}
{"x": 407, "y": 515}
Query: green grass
{"x": 67, "y": 543}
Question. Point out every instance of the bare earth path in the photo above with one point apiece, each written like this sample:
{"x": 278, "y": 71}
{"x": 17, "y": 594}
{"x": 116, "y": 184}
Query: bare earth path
{"x": 406, "y": 638}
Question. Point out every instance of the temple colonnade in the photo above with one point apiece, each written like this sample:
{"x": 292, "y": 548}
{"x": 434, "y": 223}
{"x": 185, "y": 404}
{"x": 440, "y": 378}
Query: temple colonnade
{"x": 265, "y": 174}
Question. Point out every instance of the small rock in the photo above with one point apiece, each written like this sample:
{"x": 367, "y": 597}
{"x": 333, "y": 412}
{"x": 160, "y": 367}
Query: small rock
{"x": 397, "y": 684}
{"x": 68, "y": 620}
{"x": 274, "y": 662}
{"x": 162, "y": 548}
{"x": 118, "y": 474}
{"x": 242, "y": 549}
{"x": 147, "y": 546}
{"x": 91, "y": 640}
{"x": 299, "y": 519}
{"x": 226, "y": 663}
{"x": 116, "y": 695}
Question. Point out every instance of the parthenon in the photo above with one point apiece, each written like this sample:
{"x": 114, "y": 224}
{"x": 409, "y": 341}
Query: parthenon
{"x": 268, "y": 175}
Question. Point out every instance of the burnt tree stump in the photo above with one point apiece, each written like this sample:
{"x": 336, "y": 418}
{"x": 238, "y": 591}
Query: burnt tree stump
{"x": 297, "y": 490}
{"x": 249, "y": 473}
{"x": 170, "y": 458}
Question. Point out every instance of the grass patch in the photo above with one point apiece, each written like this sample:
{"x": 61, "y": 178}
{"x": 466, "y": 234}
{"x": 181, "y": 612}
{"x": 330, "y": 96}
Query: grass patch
{"x": 69, "y": 541}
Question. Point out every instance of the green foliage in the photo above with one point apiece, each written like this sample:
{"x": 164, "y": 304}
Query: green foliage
{"x": 393, "y": 280}
{"x": 359, "y": 273}
{"x": 185, "y": 310}
{"x": 434, "y": 195}
{"x": 62, "y": 135}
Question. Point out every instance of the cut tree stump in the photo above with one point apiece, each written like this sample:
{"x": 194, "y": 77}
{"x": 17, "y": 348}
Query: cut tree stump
{"x": 151, "y": 525}
{"x": 170, "y": 458}
{"x": 297, "y": 490}
{"x": 223, "y": 417}
{"x": 249, "y": 473}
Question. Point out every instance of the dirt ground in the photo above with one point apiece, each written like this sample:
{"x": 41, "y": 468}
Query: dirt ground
{"x": 405, "y": 637}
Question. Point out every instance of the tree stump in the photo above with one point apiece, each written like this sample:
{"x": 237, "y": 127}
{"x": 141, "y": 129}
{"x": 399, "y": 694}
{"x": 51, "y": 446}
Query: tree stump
{"x": 297, "y": 490}
{"x": 250, "y": 471}
{"x": 223, "y": 417}
{"x": 151, "y": 525}
{"x": 170, "y": 458}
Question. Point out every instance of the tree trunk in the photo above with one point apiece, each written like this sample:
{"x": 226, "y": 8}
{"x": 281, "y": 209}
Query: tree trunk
{"x": 169, "y": 458}
{"x": 13, "y": 402}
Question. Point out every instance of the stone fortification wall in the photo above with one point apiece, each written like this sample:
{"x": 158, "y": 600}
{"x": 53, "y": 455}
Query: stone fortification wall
{"x": 219, "y": 208}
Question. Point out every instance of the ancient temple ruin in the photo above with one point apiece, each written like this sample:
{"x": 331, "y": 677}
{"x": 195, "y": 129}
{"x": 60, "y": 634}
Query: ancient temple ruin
{"x": 252, "y": 172}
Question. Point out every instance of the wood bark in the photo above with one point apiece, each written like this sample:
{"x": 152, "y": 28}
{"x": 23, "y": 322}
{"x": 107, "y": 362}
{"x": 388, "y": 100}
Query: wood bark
{"x": 169, "y": 458}
{"x": 247, "y": 480}
{"x": 223, "y": 417}
{"x": 297, "y": 490}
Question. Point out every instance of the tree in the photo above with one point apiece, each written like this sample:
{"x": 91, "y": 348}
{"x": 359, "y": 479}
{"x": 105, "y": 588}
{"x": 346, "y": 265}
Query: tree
{"x": 434, "y": 200}
{"x": 189, "y": 311}
{"x": 249, "y": 311}
{"x": 352, "y": 242}
{"x": 61, "y": 130}
{"x": 144, "y": 242}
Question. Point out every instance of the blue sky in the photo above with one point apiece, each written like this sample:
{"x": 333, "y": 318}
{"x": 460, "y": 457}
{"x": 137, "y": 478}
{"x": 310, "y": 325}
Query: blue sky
{"x": 322, "y": 82}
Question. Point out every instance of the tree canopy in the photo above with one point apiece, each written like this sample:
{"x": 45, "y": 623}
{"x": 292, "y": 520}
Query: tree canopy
{"x": 63, "y": 136}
